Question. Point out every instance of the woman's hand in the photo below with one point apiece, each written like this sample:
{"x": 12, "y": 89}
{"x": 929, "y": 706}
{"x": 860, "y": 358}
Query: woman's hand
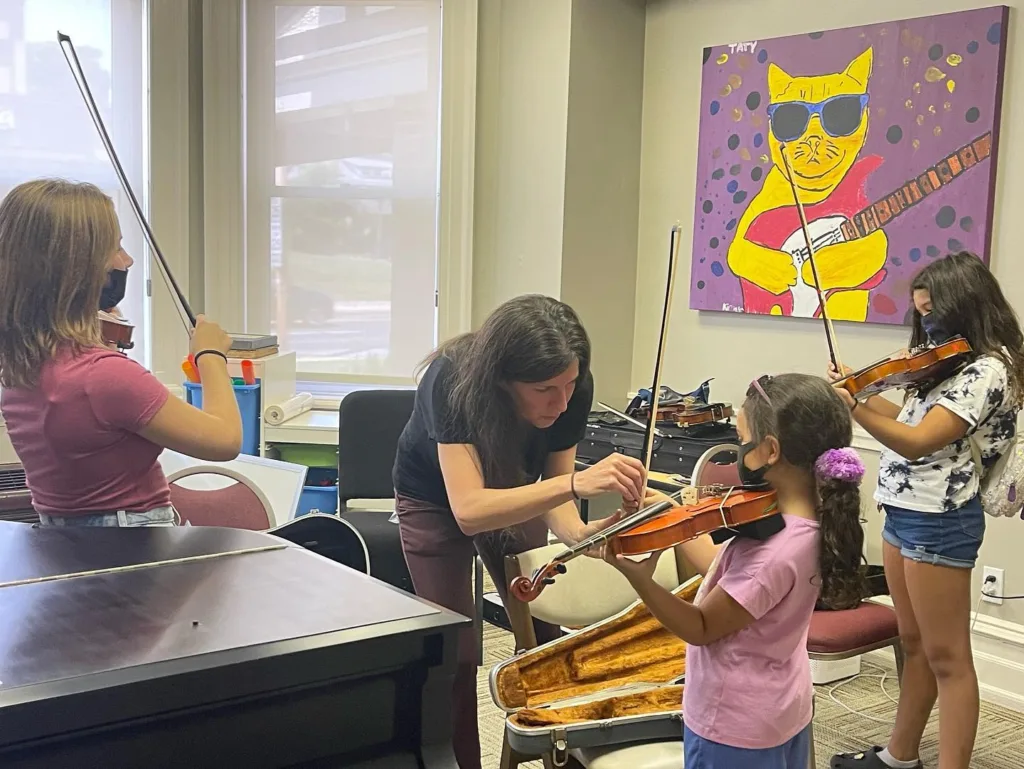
{"x": 595, "y": 527}
{"x": 633, "y": 570}
{"x": 834, "y": 376}
{"x": 616, "y": 474}
{"x": 207, "y": 335}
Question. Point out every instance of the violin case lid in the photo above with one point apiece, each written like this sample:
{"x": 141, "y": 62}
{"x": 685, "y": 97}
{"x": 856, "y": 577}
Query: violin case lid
{"x": 618, "y": 680}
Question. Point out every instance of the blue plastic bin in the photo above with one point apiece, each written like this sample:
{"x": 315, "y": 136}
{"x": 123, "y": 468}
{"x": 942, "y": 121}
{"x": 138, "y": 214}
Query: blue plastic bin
{"x": 248, "y": 397}
{"x": 323, "y": 499}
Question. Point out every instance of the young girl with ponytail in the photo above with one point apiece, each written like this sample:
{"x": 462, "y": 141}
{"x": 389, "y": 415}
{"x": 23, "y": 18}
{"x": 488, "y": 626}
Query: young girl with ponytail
{"x": 747, "y": 701}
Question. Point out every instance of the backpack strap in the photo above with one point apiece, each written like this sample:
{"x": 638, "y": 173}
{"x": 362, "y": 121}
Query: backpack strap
{"x": 979, "y": 468}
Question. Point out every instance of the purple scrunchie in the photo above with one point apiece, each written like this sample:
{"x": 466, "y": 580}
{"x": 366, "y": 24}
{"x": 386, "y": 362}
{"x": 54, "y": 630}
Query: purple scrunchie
{"x": 840, "y": 465}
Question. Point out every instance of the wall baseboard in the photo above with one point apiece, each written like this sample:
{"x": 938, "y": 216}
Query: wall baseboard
{"x": 998, "y": 657}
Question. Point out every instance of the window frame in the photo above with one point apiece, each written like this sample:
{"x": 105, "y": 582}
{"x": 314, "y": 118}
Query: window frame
{"x": 236, "y": 287}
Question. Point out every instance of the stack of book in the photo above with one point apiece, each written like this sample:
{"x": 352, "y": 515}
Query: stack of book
{"x": 252, "y": 346}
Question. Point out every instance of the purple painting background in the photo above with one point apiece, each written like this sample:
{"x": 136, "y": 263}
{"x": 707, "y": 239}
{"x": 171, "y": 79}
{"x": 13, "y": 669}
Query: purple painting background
{"x": 729, "y": 181}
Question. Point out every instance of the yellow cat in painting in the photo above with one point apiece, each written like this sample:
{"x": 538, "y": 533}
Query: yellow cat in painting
{"x": 823, "y": 122}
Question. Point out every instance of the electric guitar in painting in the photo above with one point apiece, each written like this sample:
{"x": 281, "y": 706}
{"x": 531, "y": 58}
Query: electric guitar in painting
{"x": 829, "y": 230}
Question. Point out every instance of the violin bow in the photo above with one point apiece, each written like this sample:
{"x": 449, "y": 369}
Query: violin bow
{"x": 181, "y": 304}
{"x": 830, "y": 332}
{"x": 652, "y": 422}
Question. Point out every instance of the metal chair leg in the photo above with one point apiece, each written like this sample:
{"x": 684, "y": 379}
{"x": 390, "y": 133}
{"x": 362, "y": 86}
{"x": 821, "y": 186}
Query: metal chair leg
{"x": 509, "y": 758}
{"x": 478, "y": 598}
{"x": 811, "y": 760}
{"x": 897, "y": 650}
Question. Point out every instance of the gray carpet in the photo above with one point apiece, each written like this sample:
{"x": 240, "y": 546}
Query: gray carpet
{"x": 1000, "y": 742}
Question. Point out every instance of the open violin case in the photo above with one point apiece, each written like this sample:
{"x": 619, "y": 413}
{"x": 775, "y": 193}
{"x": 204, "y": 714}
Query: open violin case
{"x": 619, "y": 680}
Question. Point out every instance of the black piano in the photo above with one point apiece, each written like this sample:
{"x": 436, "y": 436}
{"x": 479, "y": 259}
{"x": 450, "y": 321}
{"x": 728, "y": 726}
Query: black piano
{"x": 206, "y": 647}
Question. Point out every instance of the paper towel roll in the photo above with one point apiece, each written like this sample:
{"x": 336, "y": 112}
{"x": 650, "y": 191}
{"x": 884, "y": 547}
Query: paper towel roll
{"x": 299, "y": 403}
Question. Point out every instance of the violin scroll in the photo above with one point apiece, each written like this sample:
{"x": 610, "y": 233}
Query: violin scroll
{"x": 527, "y": 589}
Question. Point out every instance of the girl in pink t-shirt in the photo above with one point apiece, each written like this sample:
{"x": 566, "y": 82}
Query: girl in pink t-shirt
{"x": 747, "y": 700}
{"x": 87, "y": 422}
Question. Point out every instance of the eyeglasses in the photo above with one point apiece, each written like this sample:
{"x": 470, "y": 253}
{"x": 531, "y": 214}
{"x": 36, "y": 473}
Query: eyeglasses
{"x": 758, "y": 386}
{"x": 839, "y": 115}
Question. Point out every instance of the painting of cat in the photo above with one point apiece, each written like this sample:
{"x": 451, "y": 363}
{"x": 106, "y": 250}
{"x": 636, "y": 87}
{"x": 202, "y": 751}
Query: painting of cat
{"x": 823, "y": 121}
{"x": 890, "y": 131}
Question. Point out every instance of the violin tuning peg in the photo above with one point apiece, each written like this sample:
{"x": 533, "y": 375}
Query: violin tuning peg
{"x": 549, "y": 581}
{"x": 560, "y": 568}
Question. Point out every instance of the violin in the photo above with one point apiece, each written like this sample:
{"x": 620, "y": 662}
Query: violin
{"x": 907, "y": 369}
{"x": 687, "y": 415}
{"x": 116, "y": 331}
{"x": 681, "y": 524}
{"x": 712, "y": 412}
{"x": 660, "y": 526}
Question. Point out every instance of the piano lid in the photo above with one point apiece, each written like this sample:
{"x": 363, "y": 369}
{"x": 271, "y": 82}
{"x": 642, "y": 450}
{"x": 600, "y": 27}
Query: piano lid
{"x": 90, "y": 624}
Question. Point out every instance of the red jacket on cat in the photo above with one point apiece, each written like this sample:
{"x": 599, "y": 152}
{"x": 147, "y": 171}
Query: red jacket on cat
{"x": 772, "y": 228}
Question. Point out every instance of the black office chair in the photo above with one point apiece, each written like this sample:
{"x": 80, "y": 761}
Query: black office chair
{"x": 369, "y": 425}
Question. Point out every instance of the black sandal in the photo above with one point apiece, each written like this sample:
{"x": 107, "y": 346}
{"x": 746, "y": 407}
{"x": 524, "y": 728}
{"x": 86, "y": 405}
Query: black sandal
{"x": 867, "y": 759}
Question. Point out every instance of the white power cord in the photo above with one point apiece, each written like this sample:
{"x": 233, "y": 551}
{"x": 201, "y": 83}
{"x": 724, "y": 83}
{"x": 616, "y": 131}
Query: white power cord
{"x": 983, "y": 594}
{"x": 884, "y": 675}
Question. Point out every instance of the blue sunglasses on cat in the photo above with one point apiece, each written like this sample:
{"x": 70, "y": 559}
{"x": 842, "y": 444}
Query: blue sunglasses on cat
{"x": 839, "y": 115}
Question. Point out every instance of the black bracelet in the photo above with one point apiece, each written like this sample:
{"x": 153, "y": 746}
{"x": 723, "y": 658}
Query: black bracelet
{"x": 572, "y": 485}
{"x": 218, "y": 353}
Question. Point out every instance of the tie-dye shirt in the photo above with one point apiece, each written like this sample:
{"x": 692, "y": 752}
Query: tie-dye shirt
{"x": 948, "y": 479}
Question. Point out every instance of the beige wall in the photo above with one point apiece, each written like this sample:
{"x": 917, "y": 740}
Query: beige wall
{"x": 522, "y": 113}
{"x": 559, "y": 94}
{"x": 737, "y": 348}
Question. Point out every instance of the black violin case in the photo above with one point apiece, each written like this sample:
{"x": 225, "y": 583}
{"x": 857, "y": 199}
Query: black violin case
{"x": 676, "y": 451}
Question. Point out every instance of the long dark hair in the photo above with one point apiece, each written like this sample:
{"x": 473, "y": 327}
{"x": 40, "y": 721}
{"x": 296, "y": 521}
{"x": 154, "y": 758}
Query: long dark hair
{"x": 531, "y": 338}
{"x": 967, "y": 300}
{"x": 807, "y": 417}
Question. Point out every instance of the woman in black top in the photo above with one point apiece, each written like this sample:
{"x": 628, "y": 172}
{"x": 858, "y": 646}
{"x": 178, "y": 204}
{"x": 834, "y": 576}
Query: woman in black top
{"x": 487, "y": 463}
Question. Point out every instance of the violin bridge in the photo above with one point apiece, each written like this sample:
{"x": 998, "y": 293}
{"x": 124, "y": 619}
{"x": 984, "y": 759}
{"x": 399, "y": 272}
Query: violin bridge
{"x": 693, "y": 494}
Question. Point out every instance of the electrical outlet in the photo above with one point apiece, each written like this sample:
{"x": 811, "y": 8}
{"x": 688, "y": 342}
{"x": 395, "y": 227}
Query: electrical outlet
{"x": 992, "y": 583}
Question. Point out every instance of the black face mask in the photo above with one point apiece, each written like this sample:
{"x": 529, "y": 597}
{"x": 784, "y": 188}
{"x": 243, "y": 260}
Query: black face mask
{"x": 934, "y": 330}
{"x": 113, "y": 292}
{"x": 750, "y": 477}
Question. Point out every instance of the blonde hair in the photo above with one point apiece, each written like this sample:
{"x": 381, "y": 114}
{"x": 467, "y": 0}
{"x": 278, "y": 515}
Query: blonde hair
{"x": 56, "y": 241}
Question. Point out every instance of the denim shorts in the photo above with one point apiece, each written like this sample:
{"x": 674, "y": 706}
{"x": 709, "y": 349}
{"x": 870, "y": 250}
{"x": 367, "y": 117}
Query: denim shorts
{"x": 699, "y": 753}
{"x": 160, "y": 516}
{"x": 952, "y": 538}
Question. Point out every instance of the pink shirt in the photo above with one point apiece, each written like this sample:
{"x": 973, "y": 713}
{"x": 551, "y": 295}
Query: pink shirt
{"x": 76, "y": 435}
{"x": 752, "y": 689}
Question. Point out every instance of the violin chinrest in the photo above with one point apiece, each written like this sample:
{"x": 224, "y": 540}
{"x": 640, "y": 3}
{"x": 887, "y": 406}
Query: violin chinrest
{"x": 760, "y": 529}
